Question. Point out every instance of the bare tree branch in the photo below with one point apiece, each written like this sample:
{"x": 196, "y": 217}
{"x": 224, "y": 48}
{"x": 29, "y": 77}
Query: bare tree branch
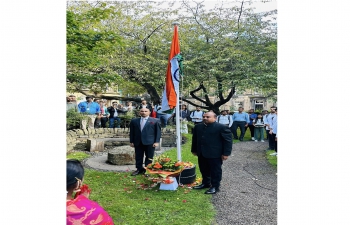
{"x": 239, "y": 17}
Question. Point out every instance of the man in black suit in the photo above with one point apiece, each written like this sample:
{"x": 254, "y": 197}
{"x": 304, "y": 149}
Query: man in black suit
{"x": 145, "y": 135}
{"x": 212, "y": 143}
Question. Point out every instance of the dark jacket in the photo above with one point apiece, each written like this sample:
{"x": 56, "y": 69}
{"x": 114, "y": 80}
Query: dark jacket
{"x": 212, "y": 140}
{"x": 111, "y": 111}
{"x": 150, "y": 134}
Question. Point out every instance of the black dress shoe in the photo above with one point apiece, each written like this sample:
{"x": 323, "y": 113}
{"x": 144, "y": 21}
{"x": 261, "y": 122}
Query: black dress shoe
{"x": 137, "y": 172}
{"x": 201, "y": 186}
{"x": 241, "y": 139}
{"x": 212, "y": 190}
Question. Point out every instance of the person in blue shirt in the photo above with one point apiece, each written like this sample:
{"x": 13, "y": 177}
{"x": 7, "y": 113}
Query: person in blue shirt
{"x": 241, "y": 120}
{"x": 91, "y": 109}
{"x": 252, "y": 117}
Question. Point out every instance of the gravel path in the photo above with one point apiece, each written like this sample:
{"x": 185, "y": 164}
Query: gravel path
{"x": 248, "y": 192}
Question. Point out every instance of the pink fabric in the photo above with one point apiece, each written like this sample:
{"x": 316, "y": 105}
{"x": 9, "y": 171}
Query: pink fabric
{"x": 81, "y": 211}
{"x": 102, "y": 110}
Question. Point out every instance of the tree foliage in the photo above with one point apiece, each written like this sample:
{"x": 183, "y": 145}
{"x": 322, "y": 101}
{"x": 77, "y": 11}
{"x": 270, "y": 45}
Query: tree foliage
{"x": 226, "y": 49}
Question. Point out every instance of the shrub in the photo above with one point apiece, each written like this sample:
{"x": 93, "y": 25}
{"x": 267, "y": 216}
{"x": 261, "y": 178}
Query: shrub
{"x": 73, "y": 119}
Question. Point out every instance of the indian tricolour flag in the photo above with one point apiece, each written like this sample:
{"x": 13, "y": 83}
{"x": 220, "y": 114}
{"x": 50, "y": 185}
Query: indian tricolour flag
{"x": 172, "y": 79}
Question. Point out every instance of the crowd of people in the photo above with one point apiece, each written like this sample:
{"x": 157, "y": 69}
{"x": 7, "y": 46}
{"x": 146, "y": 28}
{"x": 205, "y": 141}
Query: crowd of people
{"x": 212, "y": 140}
{"x": 99, "y": 114}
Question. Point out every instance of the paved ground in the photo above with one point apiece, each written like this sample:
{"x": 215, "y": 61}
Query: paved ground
{"x": 98, "y": 161}
{"x": 248, "y": 193}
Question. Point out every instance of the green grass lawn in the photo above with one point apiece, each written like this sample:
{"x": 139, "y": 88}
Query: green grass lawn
{"x": 132, "y": 200}
{"x": 272, "y": 159}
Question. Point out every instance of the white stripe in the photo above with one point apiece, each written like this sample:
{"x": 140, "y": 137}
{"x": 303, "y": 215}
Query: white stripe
{"x": 175, "y": 76}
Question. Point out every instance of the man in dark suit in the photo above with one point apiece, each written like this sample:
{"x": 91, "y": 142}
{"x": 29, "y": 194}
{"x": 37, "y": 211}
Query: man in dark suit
{"x": 212, "y": 143}
{"x": 145, "y": 133}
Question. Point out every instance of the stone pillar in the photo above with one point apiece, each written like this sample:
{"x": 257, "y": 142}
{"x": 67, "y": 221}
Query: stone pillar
{"x": 94, "y": 145}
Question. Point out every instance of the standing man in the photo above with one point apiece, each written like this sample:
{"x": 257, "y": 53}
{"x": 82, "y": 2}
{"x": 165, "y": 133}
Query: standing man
{"x": 252, "y": 117}
{"x": 197, "y": 116}
{"x": 92, "y": 109}
{"x": 264, "y": 113}
{"x": 225, "y": 119}
{"x": 212, "y": 144}
{"x": 71, "y": 104}
{"x": 145, "y": 133}
{"x": 273, "y": 133}
{"x": 241, "y": 120}
{"x": 269, "y": 123}
{"x": 113, "y": 115}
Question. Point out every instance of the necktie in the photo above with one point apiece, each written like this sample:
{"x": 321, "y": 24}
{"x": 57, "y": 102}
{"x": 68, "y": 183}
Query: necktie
{"x": 143, "y": 120}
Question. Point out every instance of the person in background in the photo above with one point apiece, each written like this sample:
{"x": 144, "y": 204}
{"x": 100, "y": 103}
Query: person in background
{"x": 163, "y": 117}
{"x": 241, "y": 120}
{"x": 79, "y": 208}
{"x": 121, "y": 110}
{"x": 92, "y": 109}
{"x": 145, "y": 134}
{"x": 273, "y": 132}
{"x": 197, "y": 116}
{"x": 259, "y": 127}
{"x": 129, "y": 106}
{"x": 264, "y": 114}
{"x": 104, "y": 113}
{"x": 269, "y": 122}
{"x": 212, "y": 144}
{"x": 252, "y": 117}
{"x": 71, "y": 104}
{"x": 153, "y": 113}
{"x": 183, "y": 119}
{"x": 73, "y": 98}
{"x": 145, "y": 104}
{"x": 185, "y": 113}
{"x": 224, "y": 118}
{"x": 113, "y": 115}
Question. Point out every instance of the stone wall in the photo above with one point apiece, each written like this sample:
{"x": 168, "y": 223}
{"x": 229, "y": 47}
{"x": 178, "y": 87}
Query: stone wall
{"x": 76, "y": 139}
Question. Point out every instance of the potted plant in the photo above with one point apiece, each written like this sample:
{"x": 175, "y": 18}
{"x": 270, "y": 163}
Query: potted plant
{"x": 165, "y": 167}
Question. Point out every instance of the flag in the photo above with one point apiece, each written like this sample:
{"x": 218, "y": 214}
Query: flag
{"x": 172, "y": 79}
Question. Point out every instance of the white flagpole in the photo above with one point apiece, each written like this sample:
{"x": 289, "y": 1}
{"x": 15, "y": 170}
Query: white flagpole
{"x": 178, "y": 135}
{"x": 177, "y": 111}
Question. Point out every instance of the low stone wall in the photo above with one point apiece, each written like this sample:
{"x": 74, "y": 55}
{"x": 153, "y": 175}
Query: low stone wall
{"x": 77, "y": 139}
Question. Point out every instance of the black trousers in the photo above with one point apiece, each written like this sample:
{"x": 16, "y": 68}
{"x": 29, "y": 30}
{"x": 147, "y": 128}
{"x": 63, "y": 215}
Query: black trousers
{"x": 211, "y": 171}
{"x": 271, "y": 142}
{"x": 251, "y": 128}
{"x": 273, "y": 136}
{"x": 141, "y": 151}
{"x": 241, "y": 125}
{"x": 104, "y": 121}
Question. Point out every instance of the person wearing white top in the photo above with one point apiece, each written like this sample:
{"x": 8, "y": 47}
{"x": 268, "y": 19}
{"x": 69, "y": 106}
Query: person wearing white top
{"x": 259, "y": 125}
{"x": 264, "y": 114}
{"x": 268, "y": 122}
{"x": 197, "y": 116}
{"x": 273, "y": 132}
{"x": 224, "y": 118}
